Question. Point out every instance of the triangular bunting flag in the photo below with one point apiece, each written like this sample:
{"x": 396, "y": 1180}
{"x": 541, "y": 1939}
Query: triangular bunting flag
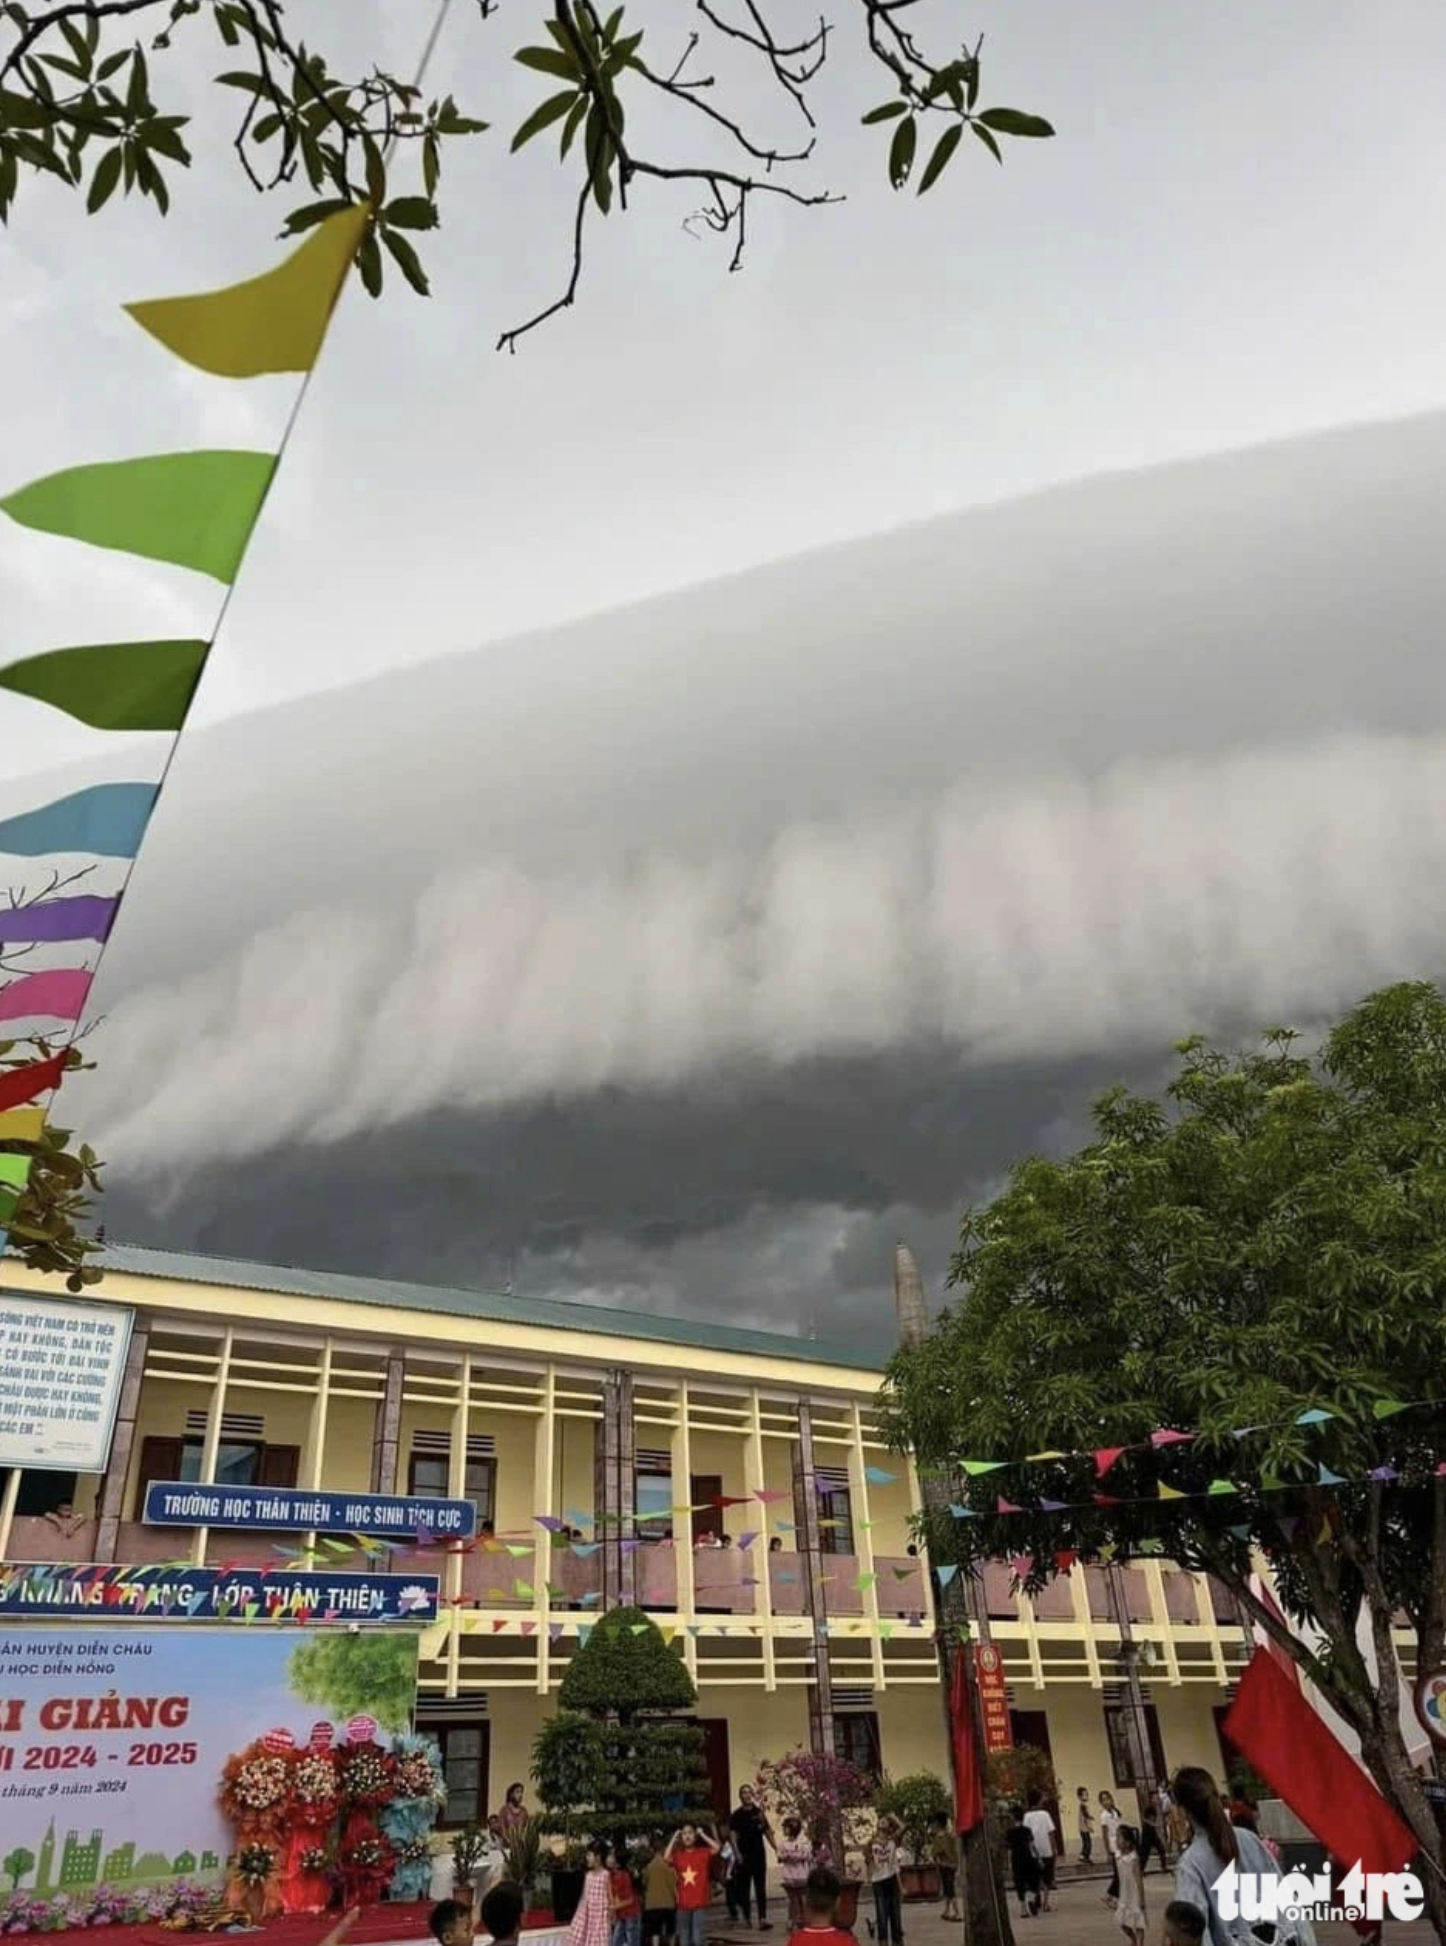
{"x": 1105, "y": 1457}
{"x": 1316, "y": 1416}
{"x": 977, "y": 1468}
{"x": 1003, "y": 1506}
{"x": 1165, "y": 1437}
{"x": 1386, "y": 1408}
{"x": 946, "y": 1572}
{"x": 1222, "y": 1486}
{"x": 1325, "y": 1478}
{"x": 1170, "y": 1493}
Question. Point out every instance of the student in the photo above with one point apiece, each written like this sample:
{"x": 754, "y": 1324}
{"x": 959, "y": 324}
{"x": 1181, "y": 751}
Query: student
{"x": 1041, "y": 1829}
{"x": 660, "y": 1897}
{"x": 726, "y": 1868}
{"x": 690, "y": 1853}
{"x": 944, "y": 1856}
{"x": 452, "y": 1924}
{"x": 502, "y": 1913}
{"x": 884, "y": 1878}
{"x": 1151, "y": 1843}
{"x": 1131, "y": 1909}
{"x": 592, "y": 1923}
{"x": 1086, "y": 1818}
{"x": 1184, "y": 1924}
{"x": 627, "y": 1907}
{"x": 1109, "y": 1825}
{"x": 795, "y": 1861}
{"x": 820, "y": 1912}
{"x": 1023, "y": 1865}
{"x": 752, "y": 1841}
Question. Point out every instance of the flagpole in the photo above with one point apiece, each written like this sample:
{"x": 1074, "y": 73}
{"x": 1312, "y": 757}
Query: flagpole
{"x": 961, "y": 1618}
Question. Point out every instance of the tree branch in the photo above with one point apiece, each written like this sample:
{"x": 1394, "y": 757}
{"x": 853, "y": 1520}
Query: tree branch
{"x": 508, "y": 340}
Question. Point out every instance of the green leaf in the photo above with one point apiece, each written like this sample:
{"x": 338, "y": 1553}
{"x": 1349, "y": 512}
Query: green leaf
{"x": 549, "y": 60}
{"x": 243, "y": 78}
{"x": 988, "y": 140}
{"x": 573, "y": 123}
{"x": 369, "y": 263}
{"x": 151, "y": 181}
{"x": 376, "y": 169}
{"x": 226, "y": 26}
{"x": 885, "y": 112}
{"x": 19, "y": 111}
{"x": 611, "y": 24}
{"x": 599, "y": 160}
{"x": 265, "y": 126}
{"x": 971, "y": 75}
{"x": 621, "y": 55}
{"x": 311, "y": 214}
{"x": 552, "y": 110}
{"x": 62, "y": 66}
{"x": 111, "y": 62}
{"x": 408, "y": 262}
{"x": 138, "y": 90}
{"x": 431, "y": 163}
{"x": 160, "y": 135}
{"x": 411, "y": 213}
{"x": 81, "y": 45}
{"x": 939, "y": 161}
{"x": 1010, "y": 121}
{"x": 103, "y": 182}
{"x": 901, "y": 151}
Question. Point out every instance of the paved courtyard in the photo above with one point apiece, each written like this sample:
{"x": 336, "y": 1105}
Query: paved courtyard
{"x": 1078, "y": 1917}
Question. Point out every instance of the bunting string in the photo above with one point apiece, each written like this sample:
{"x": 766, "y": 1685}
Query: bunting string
{"x": 194, "y": 510}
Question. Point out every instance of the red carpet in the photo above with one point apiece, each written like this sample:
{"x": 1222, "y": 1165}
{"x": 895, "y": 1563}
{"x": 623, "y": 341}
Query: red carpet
{"x": 376, "y": 1924}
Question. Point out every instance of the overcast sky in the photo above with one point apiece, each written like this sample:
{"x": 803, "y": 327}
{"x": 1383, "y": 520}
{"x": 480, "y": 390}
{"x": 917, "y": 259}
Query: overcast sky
{"x": 674, "y": 809}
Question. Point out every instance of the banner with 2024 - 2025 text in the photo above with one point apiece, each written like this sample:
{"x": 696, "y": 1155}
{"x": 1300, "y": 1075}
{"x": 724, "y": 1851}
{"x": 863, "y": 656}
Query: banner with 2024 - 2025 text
{"x": 113, "y": 1742}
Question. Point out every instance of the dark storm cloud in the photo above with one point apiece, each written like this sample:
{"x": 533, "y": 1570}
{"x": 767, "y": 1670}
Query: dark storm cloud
{"x": 674, "y": 955}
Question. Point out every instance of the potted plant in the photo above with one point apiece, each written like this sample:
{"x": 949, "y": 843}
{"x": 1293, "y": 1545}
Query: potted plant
{"x": 916, "y": 1802}
{"x": 469, "y": 1847}
{"x": 568, "y": 1769}
{"x": 522, "y": 1864}
{"x": 824, "y": 1794}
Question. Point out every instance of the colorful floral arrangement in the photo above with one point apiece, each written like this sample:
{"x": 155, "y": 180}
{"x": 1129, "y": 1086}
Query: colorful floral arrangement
{"x": 101, "y": 1905}
{"x": 314, "y": 1789}
{"x": 341, "y": 1814}
{"x": 255, "y": 1784}
{"x": 366, "y": 1773}
{"x": 407, "y": 1821}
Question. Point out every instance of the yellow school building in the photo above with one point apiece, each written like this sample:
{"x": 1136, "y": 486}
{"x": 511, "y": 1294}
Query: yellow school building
{"x": 732, "y": 1482}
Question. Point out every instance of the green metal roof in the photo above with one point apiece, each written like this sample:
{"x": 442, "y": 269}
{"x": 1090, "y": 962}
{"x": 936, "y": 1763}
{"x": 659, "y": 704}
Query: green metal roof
{"x": 551, "y": 1313}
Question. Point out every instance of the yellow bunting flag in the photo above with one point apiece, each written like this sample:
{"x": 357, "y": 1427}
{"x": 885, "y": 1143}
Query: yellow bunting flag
{"x": 22, "y": 1124}
{"x": 271, "y": 323}
{"x": 1170, "y": 1493}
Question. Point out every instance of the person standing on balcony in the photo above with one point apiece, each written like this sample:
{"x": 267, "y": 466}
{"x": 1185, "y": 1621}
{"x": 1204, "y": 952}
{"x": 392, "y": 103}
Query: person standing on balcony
{"x": 753, "y": 1837}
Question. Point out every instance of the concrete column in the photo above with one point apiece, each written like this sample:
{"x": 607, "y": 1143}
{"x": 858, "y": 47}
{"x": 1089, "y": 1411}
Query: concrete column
{"x": 810, "y": 1561}
{"x": 110, "y": 1501}
{"x": 387, "y": 1450}
{"x": 615, "y": 1492}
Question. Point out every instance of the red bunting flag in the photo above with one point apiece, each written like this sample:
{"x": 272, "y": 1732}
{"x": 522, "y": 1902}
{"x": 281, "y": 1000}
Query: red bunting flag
{"x": 19, "y": 1085}
{"x": 1106, "y": 1500}
{"x": 1105, "y": 1458}
{"x": 1278, "y": 1733}
{"x": 1064, "y": 1560}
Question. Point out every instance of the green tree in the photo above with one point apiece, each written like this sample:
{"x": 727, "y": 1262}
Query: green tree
{"x": 625, "y": 1667}
{"x": 371, "y": 1673}
{"x": 82, "y": 102}
{"x": 1264, "y": 1249}
{"x": 915, "y": 1800}
{"x": 50, "y": 1225}
{"x": 16, "y": 1864}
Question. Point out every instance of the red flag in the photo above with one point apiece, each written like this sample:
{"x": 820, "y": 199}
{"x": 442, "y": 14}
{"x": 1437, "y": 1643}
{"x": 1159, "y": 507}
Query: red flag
{"x": 1105, "y": 1458}
{"x": 19, "y": 1085}
{"x": 1278, "y": 1733}
{"x": 968, "y": 1784}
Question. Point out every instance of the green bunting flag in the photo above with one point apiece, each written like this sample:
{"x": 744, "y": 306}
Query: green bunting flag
{"x": 113, "y": 685}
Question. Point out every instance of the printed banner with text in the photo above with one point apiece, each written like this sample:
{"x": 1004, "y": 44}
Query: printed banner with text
{"x": 112, "y": 1745}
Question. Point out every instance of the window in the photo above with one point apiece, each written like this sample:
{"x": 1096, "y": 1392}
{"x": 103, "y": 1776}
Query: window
{"x": 466, "y": 1750}
{"x": 240, "y": 1462}
{"x": 430, "y": 1468}
{"x": 835, "y": 1511}
{"x": 41, "y": 1491}
{"x": 653, "y": 1494}
{"x": 1120, "y": 1746}
{"x": 856, "y": 1740}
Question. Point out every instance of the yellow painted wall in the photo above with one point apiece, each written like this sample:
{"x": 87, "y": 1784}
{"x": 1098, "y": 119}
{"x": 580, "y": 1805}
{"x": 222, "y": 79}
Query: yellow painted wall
{"x": 1077, "y": 1740}
{"x": 346, "y": 1459}
{"x": 1187, "y": 1726}
{"x": 911, "y": 1730}
{"x": 890, "y": 1508}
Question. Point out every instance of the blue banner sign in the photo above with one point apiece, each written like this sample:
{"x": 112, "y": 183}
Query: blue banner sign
{"x": 184, "y": 1594}
{"x": 404, "y": 1518}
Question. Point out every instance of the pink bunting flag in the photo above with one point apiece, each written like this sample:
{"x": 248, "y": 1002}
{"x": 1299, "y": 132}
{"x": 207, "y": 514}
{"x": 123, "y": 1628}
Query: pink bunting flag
{"x": 56, "y": 994}
{"x": 1164, "y": 1437}
{"x": 1022, "y": 1566}
{"x": 1003, "y": 1506}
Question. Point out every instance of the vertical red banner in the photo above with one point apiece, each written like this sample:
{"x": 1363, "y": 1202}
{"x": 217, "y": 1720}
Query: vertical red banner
{"x": 968, "y": 1784}
{"x": 993, "y": 1698}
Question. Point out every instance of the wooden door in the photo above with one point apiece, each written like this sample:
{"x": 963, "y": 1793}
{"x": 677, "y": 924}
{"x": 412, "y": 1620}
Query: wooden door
{"x": 715, "y": 1755}
{"x": 703, "y": 1489}
{"x": 1032, "y": 1727}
